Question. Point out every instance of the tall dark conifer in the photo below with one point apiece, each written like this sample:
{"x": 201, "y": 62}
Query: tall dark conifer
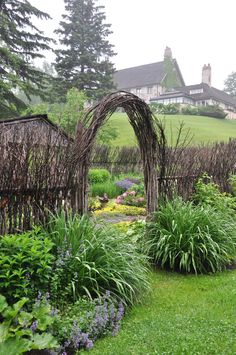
{"x": 20, "y": 43}
{"x": 84, "y": 60}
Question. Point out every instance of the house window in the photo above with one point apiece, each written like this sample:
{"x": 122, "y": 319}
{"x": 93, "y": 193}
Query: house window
{"x": 196, "y": 91}
{"x": 149, "y": 89}
{"x": 138, "y": 91}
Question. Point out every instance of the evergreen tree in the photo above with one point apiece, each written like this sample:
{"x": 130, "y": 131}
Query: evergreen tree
{"x": 20, "y": 43}
{"x": 84, "y": 60}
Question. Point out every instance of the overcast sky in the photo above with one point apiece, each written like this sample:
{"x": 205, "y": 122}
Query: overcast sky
{"x": 198, "y": 32}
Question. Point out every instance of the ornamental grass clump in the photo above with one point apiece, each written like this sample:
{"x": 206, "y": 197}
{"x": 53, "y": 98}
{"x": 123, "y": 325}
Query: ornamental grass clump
{"x": 94, "y": 258}
{"x": 188, "y": 238}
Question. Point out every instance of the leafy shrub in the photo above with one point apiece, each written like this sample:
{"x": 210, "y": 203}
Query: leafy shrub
{"x": 169, "y": 109}
{"x": 92, "y": 259}
{"x": 232, "y": 182}
{"x": 25, "y": 264}
{"x": 86, "y": 321}
{"x": 208, "y": 193}
{"x": 212, "y": 111}
{"x": 189, "y": 110}
{"x": 98, "y": 175}
{"x": 190, "y": 238}
{"x": 21, "y": 331}
{"x": 139, "y": 189}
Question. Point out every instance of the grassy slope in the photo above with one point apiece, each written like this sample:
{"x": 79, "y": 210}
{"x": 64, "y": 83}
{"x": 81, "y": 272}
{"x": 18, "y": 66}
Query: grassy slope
{"x": 183, "y": 315}
{"x": 205, "y": 129}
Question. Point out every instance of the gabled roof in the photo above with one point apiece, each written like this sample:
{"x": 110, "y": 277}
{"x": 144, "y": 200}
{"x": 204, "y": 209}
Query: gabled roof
{"x": 143, "y": 75}
{"x": 32, "y": 118}
{"x": 209, "y": 92}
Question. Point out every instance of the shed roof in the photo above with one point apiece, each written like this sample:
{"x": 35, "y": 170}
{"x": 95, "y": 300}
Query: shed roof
{"x": 32, "y": 118}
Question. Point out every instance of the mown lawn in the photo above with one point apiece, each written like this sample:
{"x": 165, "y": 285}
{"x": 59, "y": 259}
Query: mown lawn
{"x": 204, "y": 129}
{"x": 181, "y": 315}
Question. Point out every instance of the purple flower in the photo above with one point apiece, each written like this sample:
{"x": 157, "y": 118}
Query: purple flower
{"x": 54, "y": 312}
{"x": 89, "y": 344}
{"x": 125, "y": 184}
{"x": 34, "y": 326}
{"x": 120, "y": 312}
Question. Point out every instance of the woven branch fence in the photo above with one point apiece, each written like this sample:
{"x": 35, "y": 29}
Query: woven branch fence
{"x": 41, "y": 172}
{"x": 34, "y": 177}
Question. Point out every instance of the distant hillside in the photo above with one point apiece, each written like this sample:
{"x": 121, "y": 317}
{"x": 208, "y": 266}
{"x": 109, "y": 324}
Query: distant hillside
{"x": 204, "y": 129}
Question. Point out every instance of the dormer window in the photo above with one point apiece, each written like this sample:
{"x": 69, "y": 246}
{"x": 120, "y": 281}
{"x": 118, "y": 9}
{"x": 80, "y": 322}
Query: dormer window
{"x": 196, "y": 91}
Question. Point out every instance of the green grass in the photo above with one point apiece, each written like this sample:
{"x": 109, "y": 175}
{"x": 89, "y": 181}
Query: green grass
{"x": 183, "y": 315}
{"x": 204, "y": 129}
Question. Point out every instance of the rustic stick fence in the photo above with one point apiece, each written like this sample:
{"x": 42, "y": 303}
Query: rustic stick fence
{"x": 35, "y": 177}
{"x": 43, "y": 171}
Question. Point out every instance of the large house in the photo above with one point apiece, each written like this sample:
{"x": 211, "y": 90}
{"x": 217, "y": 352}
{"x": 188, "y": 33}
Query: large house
{"x": 157, "y": 83}
{"x": 150, "y": 80}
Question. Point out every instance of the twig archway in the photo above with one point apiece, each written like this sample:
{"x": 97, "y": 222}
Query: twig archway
{"x": 141, "y": 119}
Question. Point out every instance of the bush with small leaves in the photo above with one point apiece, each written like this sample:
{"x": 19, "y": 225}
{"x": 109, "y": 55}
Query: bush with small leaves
{"x": 98, "y": 175}
{"x": 25, "y": 264}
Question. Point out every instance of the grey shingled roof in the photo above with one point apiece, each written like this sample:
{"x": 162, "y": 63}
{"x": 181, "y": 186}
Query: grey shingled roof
{"x": 142, "y": 75}
{"x": 209, "y": 92}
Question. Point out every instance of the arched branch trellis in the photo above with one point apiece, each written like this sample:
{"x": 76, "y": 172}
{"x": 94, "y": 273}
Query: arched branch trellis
{"x": 141, "y": 119}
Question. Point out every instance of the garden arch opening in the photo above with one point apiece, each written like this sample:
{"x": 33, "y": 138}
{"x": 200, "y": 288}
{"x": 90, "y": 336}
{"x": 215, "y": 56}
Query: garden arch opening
{"x": 142, "y": 121}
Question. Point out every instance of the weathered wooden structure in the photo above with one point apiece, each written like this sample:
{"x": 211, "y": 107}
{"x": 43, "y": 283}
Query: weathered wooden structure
{"x": 34, "y": 173}
{"x": 141, "y": 119}
{"x": 42, "y": 169}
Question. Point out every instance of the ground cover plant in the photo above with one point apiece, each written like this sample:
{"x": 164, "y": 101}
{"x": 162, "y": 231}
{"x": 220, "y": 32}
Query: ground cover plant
{"x": 83, "y": 322}
{"x": 112, "y": 208}
{"x": 182, "y": 315}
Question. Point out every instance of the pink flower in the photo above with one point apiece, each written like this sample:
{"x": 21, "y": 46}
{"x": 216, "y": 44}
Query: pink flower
{"x": 125, "y": 194}
{"x": 119, "y": 199}
{"x": 132, "y": 193}
{"x": 141, "y": 199}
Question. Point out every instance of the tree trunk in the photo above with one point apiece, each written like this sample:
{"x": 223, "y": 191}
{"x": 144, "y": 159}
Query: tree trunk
{"x": 82, "y": 190}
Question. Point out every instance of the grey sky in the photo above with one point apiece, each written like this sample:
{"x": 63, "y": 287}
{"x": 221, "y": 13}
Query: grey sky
{"x": 198, "y": 32}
